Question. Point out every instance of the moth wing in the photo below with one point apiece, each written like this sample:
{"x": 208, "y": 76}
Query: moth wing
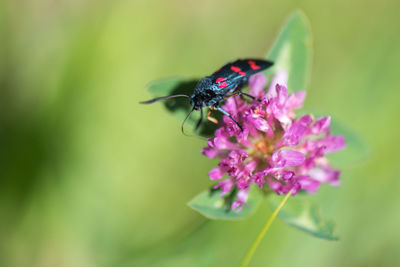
{"x": 234, "y": 72}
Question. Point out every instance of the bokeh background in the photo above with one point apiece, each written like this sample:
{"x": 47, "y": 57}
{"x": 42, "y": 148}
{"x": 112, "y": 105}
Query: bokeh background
{"x": 88, "y": 177}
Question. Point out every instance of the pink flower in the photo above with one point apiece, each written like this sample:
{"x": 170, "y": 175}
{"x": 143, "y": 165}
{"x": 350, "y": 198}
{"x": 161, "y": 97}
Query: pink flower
{"x": 241, "y": 200}
{"x": 275, "y": 149}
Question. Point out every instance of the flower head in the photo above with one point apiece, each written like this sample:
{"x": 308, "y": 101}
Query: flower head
{"x": 276, "y": 149}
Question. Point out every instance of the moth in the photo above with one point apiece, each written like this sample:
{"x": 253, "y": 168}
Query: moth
{"x": 226, "y": 82}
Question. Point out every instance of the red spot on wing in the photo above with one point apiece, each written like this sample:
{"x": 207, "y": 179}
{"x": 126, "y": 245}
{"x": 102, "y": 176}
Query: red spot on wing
{"x": 235, "y": 69}
{"x": 222, "y": 85}
{"x": 241, "y": 73}
{"x": 218, "y": 80}
{"x": 253, "y": 65}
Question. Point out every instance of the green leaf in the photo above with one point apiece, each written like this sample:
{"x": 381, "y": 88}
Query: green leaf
{"x": 212, "y": 206}
{"x": 180, "y": 107}
{"x": 292, "y": 52}
{"x": 356, "y": 151}
{"x": 303, "y": 214}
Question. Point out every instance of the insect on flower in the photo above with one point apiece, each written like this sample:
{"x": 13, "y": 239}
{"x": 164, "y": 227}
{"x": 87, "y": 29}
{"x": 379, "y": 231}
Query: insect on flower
{"x": 224, "y": 83}
{"x": 276, "y": 150}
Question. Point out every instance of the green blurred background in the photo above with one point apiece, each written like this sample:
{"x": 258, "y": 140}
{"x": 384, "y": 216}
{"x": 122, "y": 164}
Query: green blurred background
{"x": 91, "y": 178}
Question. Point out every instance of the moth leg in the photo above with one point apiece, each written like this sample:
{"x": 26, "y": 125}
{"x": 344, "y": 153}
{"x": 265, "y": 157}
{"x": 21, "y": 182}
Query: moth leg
{"x": 214, "y": 120}
{"x": 229, "y": 115}
{"x": 232, "y": 95}
{"x": 200, "y": 120}
{"x": 249, "y": 96}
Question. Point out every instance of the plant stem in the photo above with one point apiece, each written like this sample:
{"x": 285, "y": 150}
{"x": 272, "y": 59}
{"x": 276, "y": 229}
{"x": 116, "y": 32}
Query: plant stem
{"x": 252, "y": 249}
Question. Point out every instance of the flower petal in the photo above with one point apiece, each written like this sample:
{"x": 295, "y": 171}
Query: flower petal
{"x": 216, "y": 173}
{"x": 241, "y": 199}
{"x": 332, "y": 143}
{"x": 287, "y": 158}
{"x": 281, "y": 77}
{"x": 258, "y": 178}
{"x": 308, "y": 184}
{"x": 210, "y": 152}
{"x": 325, "y": 175}
{"x": 225, "y": 186}
{"x": 295, "y": 133}
{"x": 320, "y": 126}
{"x": 257, "y": 83}
{"x": 296, "y": 100}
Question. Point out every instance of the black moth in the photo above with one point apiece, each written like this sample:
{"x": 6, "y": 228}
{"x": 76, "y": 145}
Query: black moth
{"x": 225, "y": 82}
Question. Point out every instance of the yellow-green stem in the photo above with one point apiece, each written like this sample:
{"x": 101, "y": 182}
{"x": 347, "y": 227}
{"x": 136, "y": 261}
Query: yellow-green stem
{"x": 252, "y": 249}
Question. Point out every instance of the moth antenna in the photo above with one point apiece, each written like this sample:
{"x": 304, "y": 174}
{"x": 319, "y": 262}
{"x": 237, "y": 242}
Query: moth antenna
{"x": 183, "y": 124}
{"x": 151, "y": 101}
